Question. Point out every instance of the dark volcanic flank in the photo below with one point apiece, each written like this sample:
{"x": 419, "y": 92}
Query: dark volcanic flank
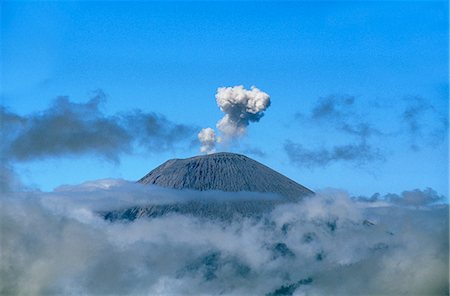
{"x": 223, "y": 171}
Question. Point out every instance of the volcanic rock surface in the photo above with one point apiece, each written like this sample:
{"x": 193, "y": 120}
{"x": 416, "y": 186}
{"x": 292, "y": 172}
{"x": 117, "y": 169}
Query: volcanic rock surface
{"x": 225, "y": 172}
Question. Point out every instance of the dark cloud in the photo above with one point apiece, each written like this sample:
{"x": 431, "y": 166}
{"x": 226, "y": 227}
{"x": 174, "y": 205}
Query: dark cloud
{"x": 333, "y": 106}
{"x": 8, "y": 178}
{"x": 9, "y": 119}
{"x": 69, "y": 128}
{"x": 339, "y": 112}
{"x": 413, "y": 198}
{"x": 416, "y": 197}
{"x": 358, "y": 154}
{"x": 10, "y": 123}
{"x": 362, "y": 130}
{"x": 154, "y": 131}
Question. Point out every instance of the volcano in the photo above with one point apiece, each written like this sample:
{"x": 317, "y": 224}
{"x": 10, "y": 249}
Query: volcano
{"x": 215, "y": 173}
{"x": 224, "y": 172}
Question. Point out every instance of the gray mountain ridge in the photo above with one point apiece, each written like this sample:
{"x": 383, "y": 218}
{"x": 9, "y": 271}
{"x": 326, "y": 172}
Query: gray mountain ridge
{"x": 228, "y": 172}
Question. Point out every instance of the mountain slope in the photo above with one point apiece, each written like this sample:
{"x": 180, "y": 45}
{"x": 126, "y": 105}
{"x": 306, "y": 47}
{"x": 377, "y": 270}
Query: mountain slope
{"x": 227, "y": 172}
{"x": 223, "y": 171}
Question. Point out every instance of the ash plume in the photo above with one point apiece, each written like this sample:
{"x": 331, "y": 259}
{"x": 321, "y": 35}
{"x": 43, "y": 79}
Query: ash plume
{"x": 241, "y": 106}
{"x": 207, "y": 138}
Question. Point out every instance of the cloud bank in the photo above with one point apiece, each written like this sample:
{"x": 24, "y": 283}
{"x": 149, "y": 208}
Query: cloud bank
{"x": 69, "y": 128}
{"x": 56, "y": 243}
{"x": 241, "y": 106}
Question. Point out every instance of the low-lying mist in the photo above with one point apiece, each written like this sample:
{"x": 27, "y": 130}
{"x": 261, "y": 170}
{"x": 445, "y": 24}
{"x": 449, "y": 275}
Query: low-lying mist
{"x": 327, "y": 244}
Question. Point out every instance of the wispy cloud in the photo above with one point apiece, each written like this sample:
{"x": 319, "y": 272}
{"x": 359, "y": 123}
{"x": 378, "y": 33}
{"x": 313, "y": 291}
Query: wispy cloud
{"x": 69, "y": 128}
{"x": 334, "y": 106}
{"x": 425, "y": 125}
{"x": 340, "y": 113}
{"x": 337, "y": 112}
{"x": 359, "y": 154}
{"x": 420, "y": 121}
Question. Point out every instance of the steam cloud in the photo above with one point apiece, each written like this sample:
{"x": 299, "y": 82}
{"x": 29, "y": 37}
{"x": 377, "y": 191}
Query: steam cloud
{"x": 56, "y": 243}
{"x": 241, "y": 106}
{"x": 207, "y": 138}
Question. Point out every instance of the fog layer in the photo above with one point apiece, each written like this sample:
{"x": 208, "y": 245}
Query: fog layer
{"x": 331, "y": 243}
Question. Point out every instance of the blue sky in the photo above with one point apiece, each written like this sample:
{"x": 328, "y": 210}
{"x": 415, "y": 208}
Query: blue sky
{"x": 387, "y": 60}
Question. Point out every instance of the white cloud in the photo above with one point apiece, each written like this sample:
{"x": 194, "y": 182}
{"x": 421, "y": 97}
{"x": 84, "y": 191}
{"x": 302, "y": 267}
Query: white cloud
{"x": 56, "y": 243}
{"x": 207, "y": 138}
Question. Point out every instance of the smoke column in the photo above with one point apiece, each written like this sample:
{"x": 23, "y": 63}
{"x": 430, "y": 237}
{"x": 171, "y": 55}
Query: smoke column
{"x": 241, "y": 106}
{"x": 207, "y": 138}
